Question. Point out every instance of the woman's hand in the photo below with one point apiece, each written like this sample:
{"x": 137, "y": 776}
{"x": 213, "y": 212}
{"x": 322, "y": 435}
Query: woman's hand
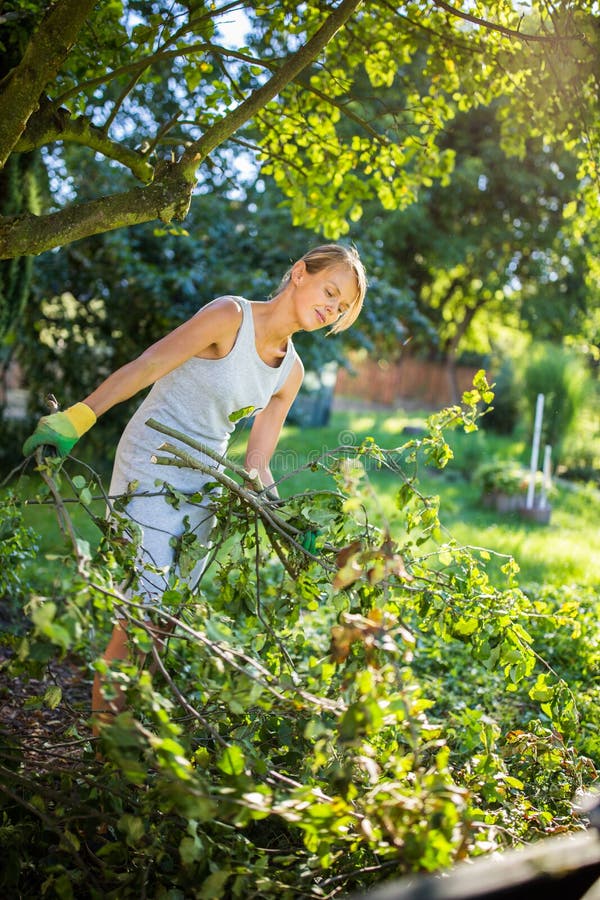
{"x": 61, "y": 430}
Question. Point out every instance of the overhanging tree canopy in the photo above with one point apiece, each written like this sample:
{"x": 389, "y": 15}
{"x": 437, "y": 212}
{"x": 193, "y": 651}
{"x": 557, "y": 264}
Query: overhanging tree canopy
{"x": 154, "y": 88}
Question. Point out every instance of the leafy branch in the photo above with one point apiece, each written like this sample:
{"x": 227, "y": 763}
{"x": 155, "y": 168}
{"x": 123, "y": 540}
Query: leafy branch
{"x": 501, "y": 29}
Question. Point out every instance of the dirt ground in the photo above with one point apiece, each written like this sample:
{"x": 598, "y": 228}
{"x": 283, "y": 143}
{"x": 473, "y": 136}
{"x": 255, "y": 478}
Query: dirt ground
{"x": 45, "y": 736}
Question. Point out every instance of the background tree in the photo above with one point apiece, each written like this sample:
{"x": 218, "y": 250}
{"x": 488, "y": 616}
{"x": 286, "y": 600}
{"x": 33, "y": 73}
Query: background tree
{"x": 156, "y": 90}
{"x": 491, "y": 247}
{"x": 19, "y": 193}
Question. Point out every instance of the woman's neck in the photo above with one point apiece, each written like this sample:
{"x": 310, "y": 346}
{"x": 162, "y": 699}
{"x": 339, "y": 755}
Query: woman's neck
{"x": 275, "y": 323}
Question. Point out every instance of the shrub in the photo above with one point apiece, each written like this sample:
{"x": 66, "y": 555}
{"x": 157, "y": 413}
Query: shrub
{"x": 500, "y": 476}
{"x": 503, "y": 416}
{"x": 17, "y": 546}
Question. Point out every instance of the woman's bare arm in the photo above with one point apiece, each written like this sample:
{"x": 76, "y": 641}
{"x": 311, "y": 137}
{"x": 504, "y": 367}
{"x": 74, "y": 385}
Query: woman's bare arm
{"x": 212, "y": 329}
{"x": 268, "y": 424}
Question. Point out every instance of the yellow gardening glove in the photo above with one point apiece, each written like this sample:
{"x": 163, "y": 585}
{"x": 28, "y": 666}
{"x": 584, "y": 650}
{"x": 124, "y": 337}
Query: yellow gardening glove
{"x": 61, "y": 430}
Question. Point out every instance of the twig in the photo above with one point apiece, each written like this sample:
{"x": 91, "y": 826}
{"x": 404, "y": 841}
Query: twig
{"x": 17, "y": 469}
{"x": 502, "y": 29}
{"x": 289, "y": 532}
{"x": 186, "y": 705}
{"x": 274, "y": 777}
{"x": 259, "y": 614}
{"x": 208, "y": 451}
{"x": 64, "y": 521}
{"x": 228, "y": 656}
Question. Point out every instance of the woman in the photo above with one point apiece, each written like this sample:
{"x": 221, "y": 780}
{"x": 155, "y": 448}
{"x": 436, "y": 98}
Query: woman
{"x": 231, "y": 355}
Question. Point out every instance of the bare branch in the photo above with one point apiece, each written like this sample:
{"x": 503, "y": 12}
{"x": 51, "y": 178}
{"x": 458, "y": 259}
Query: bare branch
{"x": 205, "y": 449}
{"x": 64, "y": 520}
{"x": 162, "y": 132}
{"x": 136, "y": 67}
{"x": 167, "y": 198}
{"x": 260, "y": 150}
{"x": 449, "y": 38}
{"x": 183, "y": 699}
{"x": 251, "y": 667}
{"x": 184, "y": 460}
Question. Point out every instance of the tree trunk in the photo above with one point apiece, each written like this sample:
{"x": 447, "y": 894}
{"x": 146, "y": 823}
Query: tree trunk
{"x": 22, "y": 87}
{"x": 451, "y": 351}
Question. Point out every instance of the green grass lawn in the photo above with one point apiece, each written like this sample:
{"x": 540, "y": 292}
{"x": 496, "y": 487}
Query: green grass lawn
{"x": 566, "y": 550}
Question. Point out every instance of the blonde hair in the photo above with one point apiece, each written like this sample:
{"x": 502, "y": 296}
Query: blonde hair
{"x": 326, "y": 256}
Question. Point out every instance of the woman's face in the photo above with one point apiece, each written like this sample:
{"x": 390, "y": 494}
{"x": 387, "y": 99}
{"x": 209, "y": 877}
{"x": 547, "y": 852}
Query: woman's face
{"x": 321, "y": 298}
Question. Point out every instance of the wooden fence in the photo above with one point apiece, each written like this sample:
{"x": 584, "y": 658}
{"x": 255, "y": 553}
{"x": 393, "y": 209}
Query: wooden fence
{"x": 411, "y": 382}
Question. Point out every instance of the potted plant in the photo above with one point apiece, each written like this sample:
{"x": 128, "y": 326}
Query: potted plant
{"x": 504, "y": 484}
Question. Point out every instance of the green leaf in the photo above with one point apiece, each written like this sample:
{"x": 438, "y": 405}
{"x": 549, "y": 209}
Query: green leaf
{"x": 513, "y": 782}
{"x": 190, "y": 849}
{"x": 44, "y": 614}
{"x": 69, "y": 841}
{"x": 63, "y": 887}
{"x": 133, "y": 827}
{"x": 464, "y": 627}
{"x": 232, "y": 761}
{"x": 241, "y": 413}
{"x": 214, "y": 886}
{"x": 404, "y": 495}
{"x": 84, "y": 547}
{"x": 53, "y": 696}
{"x": 541, "y": 690}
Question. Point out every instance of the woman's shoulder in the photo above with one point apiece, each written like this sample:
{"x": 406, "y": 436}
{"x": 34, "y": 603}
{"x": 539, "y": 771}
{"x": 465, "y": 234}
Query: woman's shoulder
{"x": 296, "y": 360}
{"x": 227, "y": 305}
{"x": 224, "y": 313}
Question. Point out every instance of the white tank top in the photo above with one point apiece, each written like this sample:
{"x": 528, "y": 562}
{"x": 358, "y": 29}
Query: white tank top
{"x": 198, "y": 398}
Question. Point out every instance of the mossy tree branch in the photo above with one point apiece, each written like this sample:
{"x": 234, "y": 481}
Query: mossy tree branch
{"x": 50, "y": 124}
{"x": 45, "y": 53}
{"x": 166, "y": 198}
